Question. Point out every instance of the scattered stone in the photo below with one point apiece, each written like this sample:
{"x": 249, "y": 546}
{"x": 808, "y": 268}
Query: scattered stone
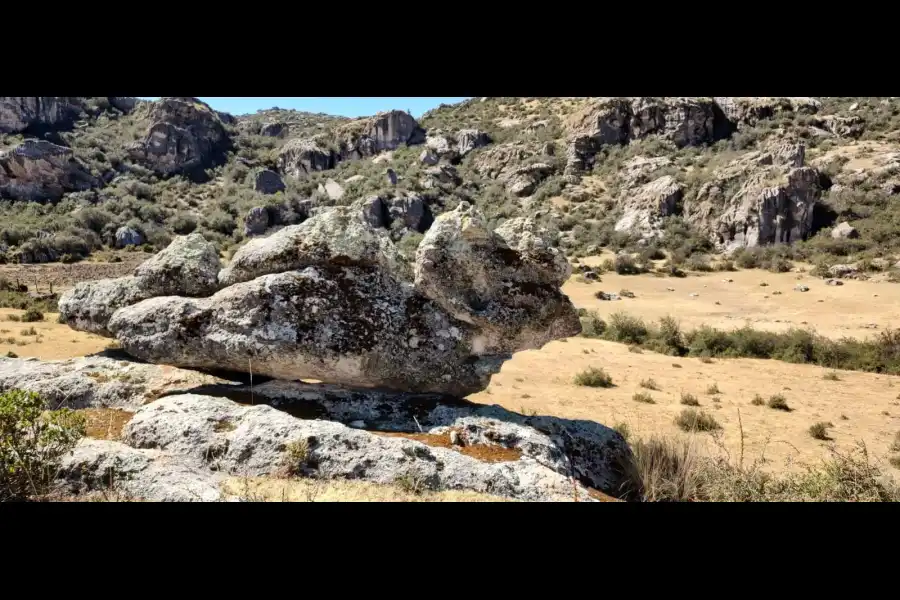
{"x": 670, "y": 289}
{"x": 844, "y": 230}
{"x": 455, "y": 439}
{"x": 763, "y": 284}
{"x": 626, "y": 294}
{"x": 694, "y": 295}
{"x": 833, "y": 282}
{"x": 801, "y": 288}
{"x": 843, "y": 270}
{"x": 727, "y": 280}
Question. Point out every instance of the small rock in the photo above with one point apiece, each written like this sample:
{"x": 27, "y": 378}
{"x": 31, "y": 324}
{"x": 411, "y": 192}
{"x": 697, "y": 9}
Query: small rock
{"x": 833, "y": 282}
{"x": 358, "y": 424}
{"x": 455, "y": 439}
{"x": 776, "y": 293}
{"x": 718, "y": 303}
{"x": 853, "y": 106}
{"x": 844, "y": 230}
{"x": 592, "y": 275}
{"x": 670, "y": 289}
{"x": 392, "y": 176}
{"x": 126, "y": 236}
{"x": 820, "y": 301}
{"x": 763, "y": 284}
{"x": 694, "y": 295}
{"x": 727, "y": 280}
{"x": 626, "y": 294}
{"x": 801, "y": 288}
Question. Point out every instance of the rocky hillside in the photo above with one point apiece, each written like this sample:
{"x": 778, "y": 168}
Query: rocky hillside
{"x": 760, "y": 177}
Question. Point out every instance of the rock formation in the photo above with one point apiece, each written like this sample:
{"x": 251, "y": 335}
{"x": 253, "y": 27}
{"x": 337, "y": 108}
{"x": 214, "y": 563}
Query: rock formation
{"x": 189, "y": 266}
{"x": 40, "y": 170}
{"x": 267, "y": 182}
{"x": 332, "y": 299}
{"x": 517, "y": 165}
{"x": 644, "y": 208}
{"x": 773, "y": 199}
{"x": 185, "y": 136}
{"x": 18, "y": 114}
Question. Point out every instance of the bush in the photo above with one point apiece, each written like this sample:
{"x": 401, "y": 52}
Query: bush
{"x": 831, "y": 376}
{"x": 643, "y": 397}
{"x": 698, "y": 262}
{"x": 591, "y": 324}
{"x": 694, "y": 420}
{"x": 689, "y": 399}
{"x": 820, "y": 430}
{"x": 661, "y": 470}
{"x": 32, "y": 441}
{"x": 32, "y": 315}
{"x": 713, "y": 389}
{"x": 626, "y": 329}
{"x": 625, "y": 265}
{"x": 758, "y": 400}
{"x": 778, "y": 402}
{"x": 594, "y": 377}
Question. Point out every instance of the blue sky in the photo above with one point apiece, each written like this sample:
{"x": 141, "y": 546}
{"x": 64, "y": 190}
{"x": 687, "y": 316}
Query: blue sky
{"x": 347, "y": 107}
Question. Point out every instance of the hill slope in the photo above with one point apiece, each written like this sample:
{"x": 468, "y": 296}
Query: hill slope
{"x": 688, "y": 175}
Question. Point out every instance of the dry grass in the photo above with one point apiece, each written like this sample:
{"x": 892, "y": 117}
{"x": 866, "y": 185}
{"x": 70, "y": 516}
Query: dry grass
{"x": 758, "y": 400}
{"x": 819, "y": 430}
{"x": 713, "y": 389}
{"x": 831, "y": 376}
{"x": 689, "y": 399}
{"x": 650, "y": 384}
{"x": 643, "y": 397}
{"x": 694, "y": 420}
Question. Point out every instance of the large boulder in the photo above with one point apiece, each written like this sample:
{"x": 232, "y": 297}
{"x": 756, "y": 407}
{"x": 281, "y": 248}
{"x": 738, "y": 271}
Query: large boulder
{"x": 339, "y": 236}
{"x": 188, "y": 266}
{"x": 41, "y": 170}
{"x": 256, "y": 221}
{"x": 644, "y": 209}
{"x": 453, "y": 147}
{"x": 267, "y": 182}
{"x": 128, "y": 236}
{"x": 20, "y": 113}
{"x": 473, "y": 274}
{"x": 333, "y": 299}
{"x": 185, "y": 136}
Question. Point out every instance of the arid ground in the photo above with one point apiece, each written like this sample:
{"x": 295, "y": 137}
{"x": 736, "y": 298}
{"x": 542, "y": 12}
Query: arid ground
{"x": 863, "y": 407}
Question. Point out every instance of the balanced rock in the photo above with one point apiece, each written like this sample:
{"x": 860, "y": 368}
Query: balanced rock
{"x": 333, "y": 299}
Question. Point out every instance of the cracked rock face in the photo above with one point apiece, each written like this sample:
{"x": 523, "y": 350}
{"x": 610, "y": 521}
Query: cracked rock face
{"x": 41, "y": 170}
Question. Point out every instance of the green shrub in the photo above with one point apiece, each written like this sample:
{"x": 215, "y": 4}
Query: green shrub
{"x": 626, "y": 329}
{"x": 32, "y": 441}
{"x": 625, "y": 265}
{"x": 778, "y": 402}
{"x": 594, "y": 377}
{"x": 32, "y": 315}
{"x": 694, "y": 420}
{"x": 592, "y": 325}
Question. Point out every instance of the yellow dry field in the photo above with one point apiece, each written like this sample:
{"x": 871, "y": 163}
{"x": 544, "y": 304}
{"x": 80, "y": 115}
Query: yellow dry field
{"x": 51, "y": 340}
{"x": 863, "y": 407}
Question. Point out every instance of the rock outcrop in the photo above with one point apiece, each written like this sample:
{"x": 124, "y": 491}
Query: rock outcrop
{"x": 40, "y": 170}
{"x": 385, "y": 131}
{"x": 333, "y": 299}
{"x": 772, "y": 202}
{"x": 19, "y": 113}
{"x": 452, "y": 148}
{"x": 185, "y": 136}
{"x": 517, "y": 165}
{"x": 267, "y": 182}
{"x": 188, "y": 266}
{"x": 302, "y": 156}
{"x": 256, "y": 221}
{"x": 644, "y": 208}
